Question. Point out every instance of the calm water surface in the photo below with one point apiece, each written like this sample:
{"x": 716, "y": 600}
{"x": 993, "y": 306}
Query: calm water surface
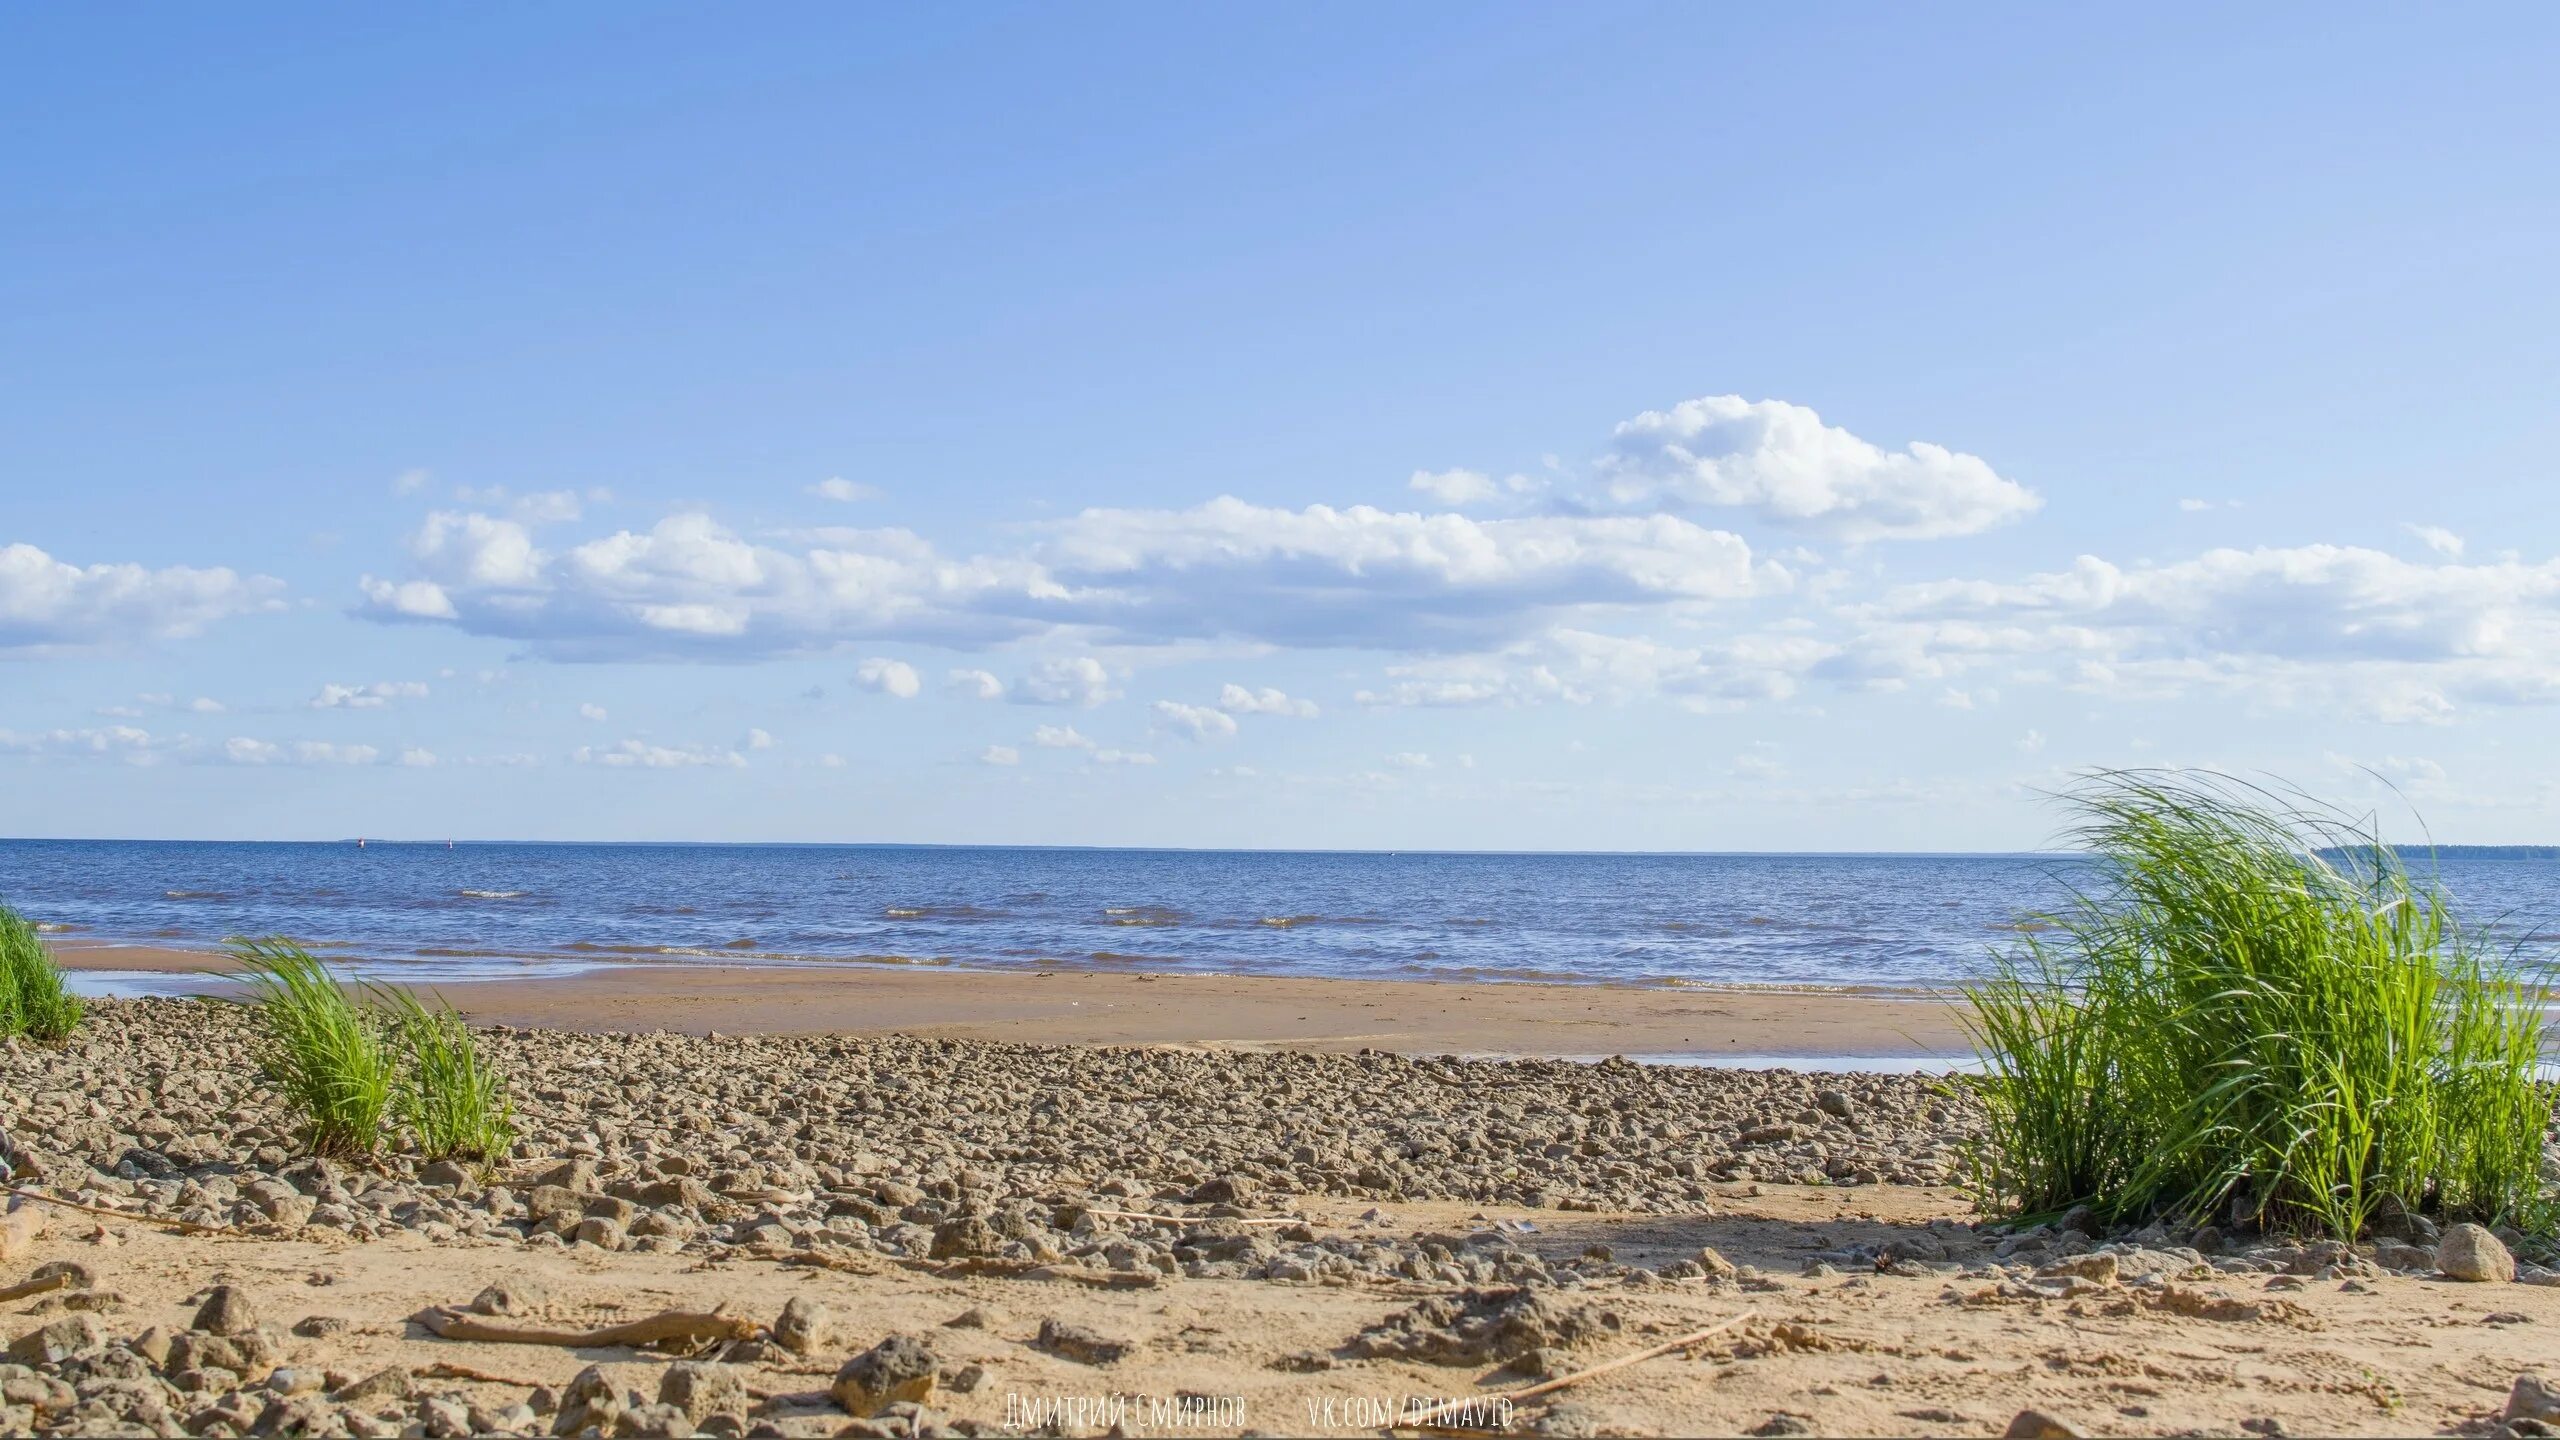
{"x": 1892, "y": 920}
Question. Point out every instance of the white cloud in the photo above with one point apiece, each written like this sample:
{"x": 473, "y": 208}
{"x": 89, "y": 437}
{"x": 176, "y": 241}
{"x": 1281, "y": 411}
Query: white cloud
{"x": 1781, "y": 463}
{"x": 2198, "y": 507}
{"x": 242, "y": 750}
{"x": 1760, "y": 762}
{"x": 591, "y": 711}
{"x": 129, "y": 743}
{"x": 417, "y": 759}
{"x": 840, "y": 489}
{"x": 640, "y": 754}
{"x": 540, "y": 507}
{"x": 895, "y": 678}
{"x": 1197, "y": 721}
{"x": 1455, "y": 487}
{"x": 205, "y": 705}
{"x": 999, "y": 755}
{"x": 1410, "y": 760}
{"x": 1123, "y": 757}
{"x": 248, "y": 750}
{"x": 759, "y": 740}
{"x": 690, "y": 588}
{"x": 1364, "y": 577}
{"x": 367, "y": 697}
{"x": 47, "y": 604}
{"x": 1075, "y": 680}
{"x": 1059, "y": 737}
{"x": 831, "y": 761}
{"x": 2031, "y": 742}
{"x": 1237, "y": 700}
{"x": 975, "y": 684}
{"x": 2437, "y": 538}
{"x": 410, "y": 482}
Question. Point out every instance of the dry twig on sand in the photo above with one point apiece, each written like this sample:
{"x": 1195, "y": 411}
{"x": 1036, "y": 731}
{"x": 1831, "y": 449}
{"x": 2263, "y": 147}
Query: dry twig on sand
{"x": 665, "y": 1327}
{"x": 183, "y": 1227}
{"x": 1429, "y": 1419}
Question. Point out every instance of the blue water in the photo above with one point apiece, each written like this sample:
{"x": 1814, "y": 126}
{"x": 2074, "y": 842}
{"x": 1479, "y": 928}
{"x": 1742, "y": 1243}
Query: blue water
{"x": 1895, "y": 920}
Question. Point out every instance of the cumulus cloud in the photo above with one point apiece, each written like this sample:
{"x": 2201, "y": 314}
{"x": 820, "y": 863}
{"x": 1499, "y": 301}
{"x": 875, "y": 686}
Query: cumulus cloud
{"x": 1237, "y": 700}
{"x": 895, "y": 678}
{"x": 2389, "y": 638}
{"x": 417, "y": 759}
{"x": 1361, "y": 576}
{"x": 367, "y": 697}
{"x": 1409, "y": 760}
{"x": 2437, "y": 538}
{"x": 1123, "y": 757}
{"x": 48, "y": 604}
{"x": 1782, "y": 464}
{"x": 591, "y": 711}
{"x": 642, "y": 755}
{"x": 248, "y": 750}
{"x": 1077, "y": 680}
{"x": 129, "y": 743}
{"x": 839, "y": 489}
{"x": 759, "y": 739}
{"x": 1197, "y": 721}
{"x": 975, "y": 684}
{"x": 539, "y": 507}
{"x": 1059, "y": 737}
{"x": 1455, "y": 487}
{"x": 688, "y": 587}
{"x": 999, "y": 755}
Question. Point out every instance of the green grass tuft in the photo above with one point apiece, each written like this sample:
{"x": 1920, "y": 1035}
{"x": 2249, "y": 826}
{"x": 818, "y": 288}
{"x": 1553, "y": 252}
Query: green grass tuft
{"x": 325, "y": 1051}
{"x": 455, "y": 1105}
{"x": 2258, "y": 1014}
{"x": 34, "y": 1001}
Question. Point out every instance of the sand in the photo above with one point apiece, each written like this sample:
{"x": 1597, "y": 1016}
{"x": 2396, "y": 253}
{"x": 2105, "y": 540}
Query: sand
{"x": 1835, "y": 1356}
{"x": 1085, "y": 1007}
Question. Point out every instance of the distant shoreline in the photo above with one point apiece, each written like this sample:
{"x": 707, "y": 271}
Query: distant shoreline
{"x": 1063, "y": 1005}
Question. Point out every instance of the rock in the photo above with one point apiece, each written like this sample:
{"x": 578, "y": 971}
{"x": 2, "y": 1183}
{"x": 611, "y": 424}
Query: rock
{"x": 2533, "y": 1398}
{"x": 602, "y": 1231}
{"x": 591, "y": 1399}
{"x": 449, "y": 1175}
{"x": 2470, "y": 1252}
{"x": 1075, "y": 1342}
{"x": 379, "y": 1388}
{"x": 1834, "y": 1103}
{"x": 577, "y": 1175}
{"x": 806, "y": 1327}
{"x": 321, "y": 1327}
{"x": 653, "y": 1422}
{"x": 702, "y": 1390}
{"x": 2393, "y": 1255}
{"x": 966, "y": 1236}
{"x": 2037, "y": 1425}
{"x": 289, "y": 1209}
{"x": 547, "y": 1202}
{"x": 515, "y": 1295}
{"x": 68, "y": 1338}
{"x": 1224, "y": 1190}
{"x": 20, "y": 1226}
{"x": 2078, "y": 1220}
{"x": 900, "y": 1368}
{"x": 972, "y": 1318}
{"x": 225, "y": 1311}
{"x": 2098, "y": 1266}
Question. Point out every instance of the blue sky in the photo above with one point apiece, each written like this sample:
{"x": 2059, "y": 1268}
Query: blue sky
{"x": 1532, "y": 427}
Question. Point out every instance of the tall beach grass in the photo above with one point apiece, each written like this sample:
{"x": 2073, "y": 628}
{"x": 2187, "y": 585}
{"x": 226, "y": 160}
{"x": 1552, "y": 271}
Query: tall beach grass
{"x": 453, "y": 1102}
{"x": 2256, "y": 1014}
{"x": 356, "y": 1063}
{"x": 34, "y": 1000}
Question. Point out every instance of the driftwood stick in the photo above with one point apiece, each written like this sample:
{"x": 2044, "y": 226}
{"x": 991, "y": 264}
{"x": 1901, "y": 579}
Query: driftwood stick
{"x": 447, "y": 1370}
{"x": 183, "y": 1227}
{"x": 1429, "y": 1419}
{"x": 53, "y": 1275}
{"x": 666, "y": 1325}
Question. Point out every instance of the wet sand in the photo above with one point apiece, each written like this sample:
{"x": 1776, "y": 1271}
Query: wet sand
{"x": 1100, "y": 1007}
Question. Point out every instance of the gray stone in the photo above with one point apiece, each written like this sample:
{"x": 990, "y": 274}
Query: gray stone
{"x": 900, "y": 1368}
{"x": 702, "y": 1390}
{"x": 2533, "y": 1398}
{"x": 68, "y": 1338}
{"x": 1075, "y": 1342}
{"x": 225, "y": 1311}
{"x": 2037, "y": 1425}
{"x": 806, "y": 1327}
{"x": 2470, "y": 1252}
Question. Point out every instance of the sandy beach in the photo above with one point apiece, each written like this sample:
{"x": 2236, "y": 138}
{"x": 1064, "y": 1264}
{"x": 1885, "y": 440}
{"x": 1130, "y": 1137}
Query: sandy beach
{"x": 1103, "y": 1007}
{"x": 1289, "y": 1238}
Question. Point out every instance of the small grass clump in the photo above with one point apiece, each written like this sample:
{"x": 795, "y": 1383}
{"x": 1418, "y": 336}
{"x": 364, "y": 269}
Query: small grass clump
{"x": 453, "y": 1102}
{"x": 2258, "y": 1014}
{"x": 323, "y": 1049}
{"x": 34, "y": 1000}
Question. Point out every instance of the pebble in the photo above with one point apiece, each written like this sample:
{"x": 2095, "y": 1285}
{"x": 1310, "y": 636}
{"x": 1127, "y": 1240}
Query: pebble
{"x": 2470, "y": 1252}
